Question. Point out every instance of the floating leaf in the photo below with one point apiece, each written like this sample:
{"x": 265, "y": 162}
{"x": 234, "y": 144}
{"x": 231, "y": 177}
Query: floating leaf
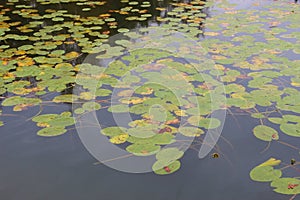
{"x": 17, "y": 100}
{"x": 51, "y": 131}
{"x": 286, "y": 186}
{"x": 191, "y": 131}
{"x": 71, "y": 55}
{"x": 121, "y": 108}
{"x": 119, "y": 139}
{"x": 265, "y": 133}
{"x": 61, "y": 121}
{"x": 265, "y": 173}
{"x": 44, "y": 118}
{"x": 209, "y": 123}
{"x": 169, "y": 154}
{"x": 86, "y": 9}
{"x": 160, "y": 139}
{"x": 123, "y": 30}
{"x": 66, "y": 98}
{"x": 270, "y": 162}
{"x": 143, "y": 149}
{"x": 113, "y": 131}
{"x": 275, "y": 120}
{"x": 291, "y": 129}
{"x": 90, "y": 106}
{"x": 143, "y": 132}
{"x": 161, "y": 168}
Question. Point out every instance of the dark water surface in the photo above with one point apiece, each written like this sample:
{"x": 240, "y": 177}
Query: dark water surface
{"x": 61, "y": 168}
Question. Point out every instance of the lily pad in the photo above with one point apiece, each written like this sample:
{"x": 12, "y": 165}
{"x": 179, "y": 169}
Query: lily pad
{"x": 143, "y": 149}
{"x": 169, "y": 154}
{"x": 113, "y": 131}
{"x": 265, "y": 173}
{"x": 17, "y": 100}
{"x": 121, "y": 108}
{"x": 51, "y": 131}
{"x": 191, "y": 131}
{"x": 286, "y": 186}
{"x": 90, "y": 106}
{"x": 119, "y": 139}
{"x": 265, "y": 133}
{"x": 161, "y": 168}
{"x": 291, "y": 129}
{"x": 143, "y": 132}
{"x": 160, "y": 139}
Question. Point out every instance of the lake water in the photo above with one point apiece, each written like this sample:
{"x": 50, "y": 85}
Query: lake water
{"x": 34, "y": 167}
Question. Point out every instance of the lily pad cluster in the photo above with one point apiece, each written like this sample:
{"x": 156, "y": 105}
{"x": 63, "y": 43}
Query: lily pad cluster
{"x": 266, "y": 172}
{"x": 162, "y": 89}
{"x": 257, "y": 49}
{"x": 53, "y": 124}
{"x": 267, "y": 79}
{"x": 157, "y": 79}
{"x": 185, "y": 17}
{"x": 167, "y": 161}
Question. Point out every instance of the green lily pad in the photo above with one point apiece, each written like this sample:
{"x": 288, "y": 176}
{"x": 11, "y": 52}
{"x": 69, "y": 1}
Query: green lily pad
{"x": 86, "y": 9}
{"x": 159, "y": 167}
{"x": 79, "y": 111}
{"x": 17, "y": 100}
{"x": 291, "y": 118}
{"x": 265, "y": 133}
{"x": 113, "y": 131}
{"x": 90, "y": 106}
{"x": 286, "y": 186}
{"x": 209, "y": 123}
{"x": 258, "y": 115}
{"x": 51, "y": 131}
{"x": 265, "y": 173}
{"x": 103, "y": 92}
{"x": 276, "y": 120}
{"x": 143, "y": 132}
{"x": 291, "y": 129}
{"x": 169, "y": 154}
{"x": 160, "y": 139}
{"x": 121, "y": 108}
{"x": 45, "y": 118}
{"x": 123, "y": 30}
{"x": 191, "y": 131}
{"x": 61, "y": 122}
{"x": 143, "y": 149}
